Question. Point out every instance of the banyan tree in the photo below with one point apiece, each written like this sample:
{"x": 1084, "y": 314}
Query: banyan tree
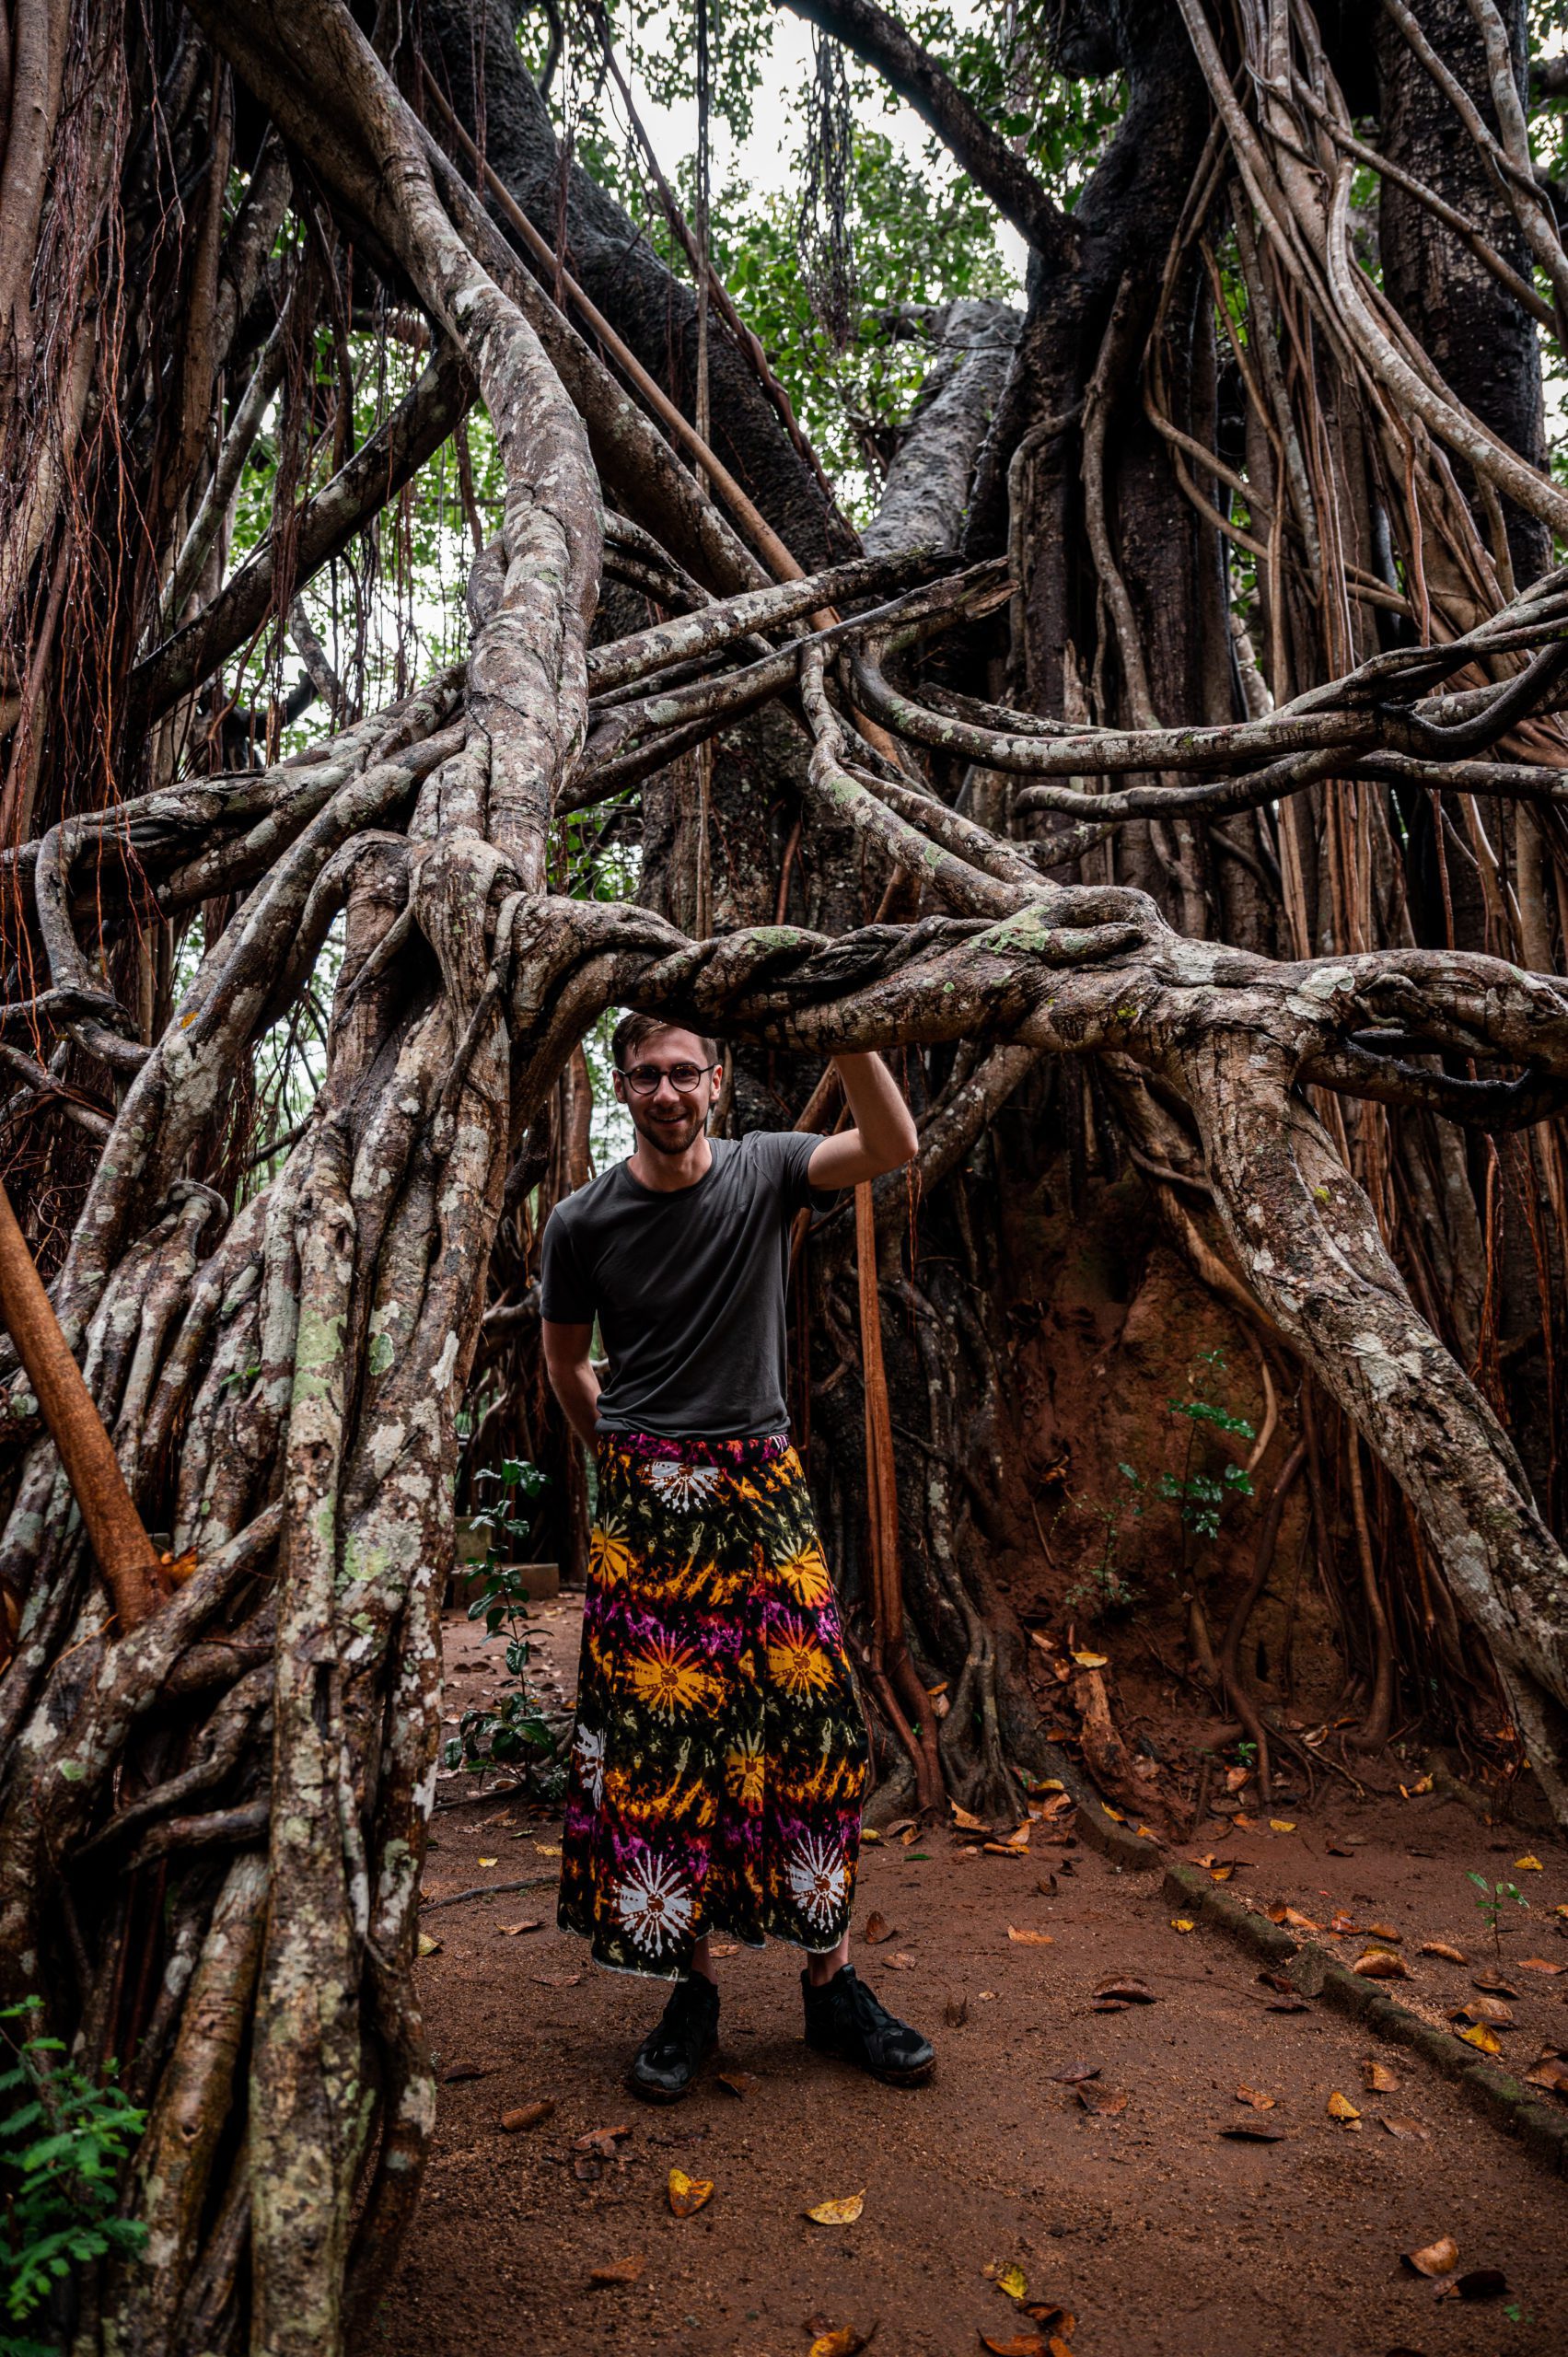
{"x": 1168, "y": 774}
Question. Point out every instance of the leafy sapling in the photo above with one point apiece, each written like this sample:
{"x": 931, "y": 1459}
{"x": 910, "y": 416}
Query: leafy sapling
{"x": 63, "y": 2137}
{"x": 1489, "y": 1906}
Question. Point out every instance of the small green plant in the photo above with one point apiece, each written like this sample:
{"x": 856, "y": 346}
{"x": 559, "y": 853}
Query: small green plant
{"x": 63, "y": 2136}
{"x": 1246, "y": 1753}
{"x": 1490, "y": 1905}
{"x": 1103, "y": 1594}
{"x": 1200, "y": 1493}
{"x": 510, "y": 1728}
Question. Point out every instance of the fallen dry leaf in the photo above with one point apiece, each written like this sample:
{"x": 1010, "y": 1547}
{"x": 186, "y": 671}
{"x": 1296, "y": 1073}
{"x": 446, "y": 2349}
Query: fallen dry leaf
{"x": 843, "y": 2213}
{"x": 490, "y": 1862}
{"x": 1253, "y": 2131}
{"x": 1026, "y": 1938}
{"x": 1282, "y": 1824}
{"x": 1377, "y": 1963}
{"x": 1017, "y": 2344}
{"x": 738, "y": 2083}
{"x": 556, "y": 1979}
{"x": 548, "y": 1850}
{"x": 1003, "y": 1849}
{"x": 878, "y": 1928}
{"x": 1256, "y": 2099}
{"x": 1441, "y": 1948}
{"x": 725, "y": 1947}
{"x": 1092, "y": 1661}
{"x": 844, "y": 2343}
{"x": 902, "y": 1824}
{"x": 1531, "y": 1865}
{"x": 965, "y": 1822}
{"x": 1223, "y": 1874}
{"x": 534, "y": 1924}
{"x": 1287, "y": 2005}
{"x": 1292, "y": 1917}
{"x": 1182, "y": 1924}
{"x": 1124, "y": 1990}
{"x": 1377, "y": 2078}
{"x": 1383, "y": 1931}
{"x": 1012, "y": 2281}
{"x": 1235, "y": 1778}
{"x": 429, "y": 1944}
{"x": 1551, "y": 2072}
{"x": 1104, "y": 2102}
{"x": 1481, "y": 2038}
{"x": 1337, "y": 1850}
{"x": 1277, "y": 1980}
{"x": 1113, "y": 1813}
{"x": 1479, "y": 2283}
{"x": 1491, "y": 2009}
{"x": 902, "y": 1962}
{"x": 1539, "y": 1964}
{"x": 462, "y": 2070}
{"x": 1397, "y": 2126}
{"x": 602, "y": 2141}
{"x": 618, "y": 2270}
{"x": 1341, "y": 2108}
{"x": 956, "y": 2013}
{"x": 1494, "y": 1984}
{"x": 868, "y": 1833}
{"x": 687, "y": 2194}
{"x": 1019, "y": 1837}
{"x": 1045, "y": 1886}
{"x": 1440, "y": 2257}
{"x": 1073, "y": 2074}
{"x": 527, "y": 2115}
{"x": 1341, "y": 1924}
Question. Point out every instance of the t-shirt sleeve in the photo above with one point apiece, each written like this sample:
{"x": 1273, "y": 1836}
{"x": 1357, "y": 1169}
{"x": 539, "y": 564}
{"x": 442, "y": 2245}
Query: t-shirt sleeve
{"x": 565, "y": 1293}
{"x": 790, "y": 1151}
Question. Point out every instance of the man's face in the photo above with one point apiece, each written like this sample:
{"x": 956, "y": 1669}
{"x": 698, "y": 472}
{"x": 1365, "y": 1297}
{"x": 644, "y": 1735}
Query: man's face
{"x": 668, "y": 1089}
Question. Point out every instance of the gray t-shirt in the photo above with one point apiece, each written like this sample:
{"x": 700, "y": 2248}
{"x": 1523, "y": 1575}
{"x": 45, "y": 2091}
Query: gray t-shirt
{"x": 688, "y": 1287}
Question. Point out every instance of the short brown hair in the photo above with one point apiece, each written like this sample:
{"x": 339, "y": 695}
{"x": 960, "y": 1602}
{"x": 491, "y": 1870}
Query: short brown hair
{"x": 634, "y": 1030}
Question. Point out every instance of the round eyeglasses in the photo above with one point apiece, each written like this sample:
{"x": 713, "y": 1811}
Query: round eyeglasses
{"x": 644, "y": 1079}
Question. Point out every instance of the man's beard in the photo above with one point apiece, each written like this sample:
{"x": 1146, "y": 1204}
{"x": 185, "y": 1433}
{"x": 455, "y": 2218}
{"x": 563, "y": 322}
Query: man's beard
{"x": 673, "y": 1140}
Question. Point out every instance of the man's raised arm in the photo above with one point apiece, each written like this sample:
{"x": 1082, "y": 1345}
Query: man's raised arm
{"x": 884, "y": 1136}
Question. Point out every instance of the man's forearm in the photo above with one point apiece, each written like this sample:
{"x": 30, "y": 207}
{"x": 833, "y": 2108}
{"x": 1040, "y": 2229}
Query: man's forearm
{"x": 576, "y": 1388}
{"x": 877, "y": 1109}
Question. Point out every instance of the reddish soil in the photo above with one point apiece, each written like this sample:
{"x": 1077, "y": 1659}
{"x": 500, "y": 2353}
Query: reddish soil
{"x": 1161, "y": 2233}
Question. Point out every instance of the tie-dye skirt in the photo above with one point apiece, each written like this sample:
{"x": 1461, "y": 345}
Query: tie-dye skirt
{"x": 720, "y": 1756}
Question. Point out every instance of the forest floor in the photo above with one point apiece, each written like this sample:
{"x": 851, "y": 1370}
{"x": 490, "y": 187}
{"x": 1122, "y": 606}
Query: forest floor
{"x": 1160, "y": 2231}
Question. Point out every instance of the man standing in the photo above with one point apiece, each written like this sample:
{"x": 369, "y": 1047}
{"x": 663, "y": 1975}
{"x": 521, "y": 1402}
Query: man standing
{"x": 721, "y": 1753}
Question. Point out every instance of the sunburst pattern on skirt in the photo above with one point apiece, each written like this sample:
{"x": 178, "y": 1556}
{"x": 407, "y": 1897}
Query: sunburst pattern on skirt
{"x": 720, "y": 1756}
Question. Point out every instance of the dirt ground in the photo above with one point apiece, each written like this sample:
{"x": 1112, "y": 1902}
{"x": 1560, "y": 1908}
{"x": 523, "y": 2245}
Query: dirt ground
{"x": 1159, "y": 2232}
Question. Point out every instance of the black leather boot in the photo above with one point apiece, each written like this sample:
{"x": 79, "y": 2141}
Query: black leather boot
{"x": 842, "y": 2017}
{"x": 678, "y": 2043}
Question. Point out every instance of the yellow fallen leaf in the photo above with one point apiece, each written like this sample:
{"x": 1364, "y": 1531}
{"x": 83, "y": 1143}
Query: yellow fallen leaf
{"x": 548, "y": 1848}
{"x": 687, "y": 2194}
{"x": 965, "y": 1822}
{"x": 1027, "y": 1939}
{"x": 1256, "y": 2099}
{"x": 1092, "y": 1661}
{"x": 1246, "y": 1823}
{"x": 1440, "y": 2257}
{"x": 1480, "y": 2037}
{"x": 490, "y": 1862}
{"x": 844, "y": 2343}
{"x": 534, "y": 1924}
{"x": 1050, "y": 1784}
{"x": 1282, "y": 1824}
{"x": 1011, "y": 2280}
{"x": 839, "y": 2214}
{"x": 1115, "y": 1813}
{"x": 1182, "y": 1924}
{"x": 868, "y": 1833}
{"x": 428, "y": 1945}
{"x": 1019, "y": 1838}
{"x": 1531, "y": 1865}
{"x": 1341, "y": 2108}
{"x": 1146, "y": 1834}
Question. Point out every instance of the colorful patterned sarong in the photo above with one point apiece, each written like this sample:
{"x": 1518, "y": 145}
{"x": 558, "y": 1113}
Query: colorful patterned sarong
{"x": 721, "y": 1755}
